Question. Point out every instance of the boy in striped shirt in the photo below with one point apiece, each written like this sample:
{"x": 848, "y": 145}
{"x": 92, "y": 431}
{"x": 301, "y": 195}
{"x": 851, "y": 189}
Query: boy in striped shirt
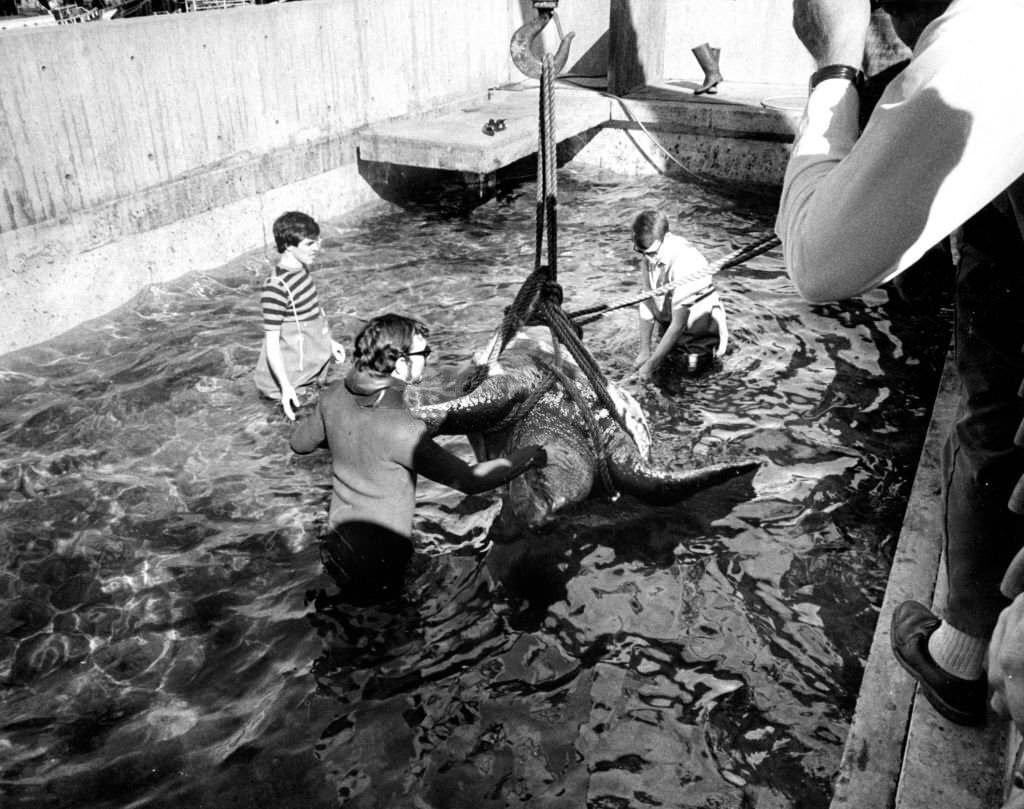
{"x": 297, "y": 344}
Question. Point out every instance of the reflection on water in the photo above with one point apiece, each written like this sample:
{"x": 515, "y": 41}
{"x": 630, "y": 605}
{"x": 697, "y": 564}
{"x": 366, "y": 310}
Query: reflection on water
{"x": 168, "y": 635}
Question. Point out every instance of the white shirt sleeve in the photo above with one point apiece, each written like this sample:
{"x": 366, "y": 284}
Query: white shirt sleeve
{"x": 946, "y": 137}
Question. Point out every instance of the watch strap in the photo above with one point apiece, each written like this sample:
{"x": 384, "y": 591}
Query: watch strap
{"x": 848, "y": 72}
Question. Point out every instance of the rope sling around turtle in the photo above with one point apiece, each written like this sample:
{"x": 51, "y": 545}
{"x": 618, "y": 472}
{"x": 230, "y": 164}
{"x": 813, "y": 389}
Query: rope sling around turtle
{"x": 539, "y": 299}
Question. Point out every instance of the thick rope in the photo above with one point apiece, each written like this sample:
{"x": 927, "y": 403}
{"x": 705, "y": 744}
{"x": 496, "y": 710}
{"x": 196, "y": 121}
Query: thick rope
{"x": 551, "y": 164}
{"x": 526, "y": 405}
{"x": 556, "y": 374}
{"x": 534, "y": 289}
{"x": 542, "y": 283}
{"x": 547, "y": 174}
{"x": 593, "y": 429}
{"x": 540, "y": 298}
{"x": 566, "y": 334}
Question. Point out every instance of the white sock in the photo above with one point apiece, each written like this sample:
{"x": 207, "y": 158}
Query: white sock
{"x": 958, "y": 653}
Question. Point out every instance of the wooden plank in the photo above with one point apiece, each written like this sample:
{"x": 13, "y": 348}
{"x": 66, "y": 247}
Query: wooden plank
{"x": 947, "y": 765}
{"x": 900, "y": 752}
{"x": 456, "y": 141}
{"x": 872, "y": 758}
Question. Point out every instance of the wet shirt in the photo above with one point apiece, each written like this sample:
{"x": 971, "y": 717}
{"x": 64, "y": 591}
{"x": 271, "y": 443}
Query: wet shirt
{"x": 373, "y": 437}
{"x": 291, "y": 295}
{"x": 677, "y": 261}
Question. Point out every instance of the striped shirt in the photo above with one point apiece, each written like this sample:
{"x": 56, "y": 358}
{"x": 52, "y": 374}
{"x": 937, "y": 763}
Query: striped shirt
{"x": 291, "y": 295}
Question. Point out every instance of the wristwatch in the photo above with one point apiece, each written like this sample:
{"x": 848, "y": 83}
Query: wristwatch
{"x": 852, "y": 74}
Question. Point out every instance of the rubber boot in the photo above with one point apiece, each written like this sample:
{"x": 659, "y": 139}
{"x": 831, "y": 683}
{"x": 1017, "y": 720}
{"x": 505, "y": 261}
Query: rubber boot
{"x": 714, "y": 55}
{"x": 707, "y": 57}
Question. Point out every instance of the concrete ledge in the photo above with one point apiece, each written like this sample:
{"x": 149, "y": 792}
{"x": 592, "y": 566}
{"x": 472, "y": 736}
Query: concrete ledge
{"x": 742, "y": 134}
{"x": 199, "y": 192}
{"x": 456, "y": 141}
{"x": 635, "y": 151}
{"x": 741, "y": 111}
{"x": 70, "y": 271}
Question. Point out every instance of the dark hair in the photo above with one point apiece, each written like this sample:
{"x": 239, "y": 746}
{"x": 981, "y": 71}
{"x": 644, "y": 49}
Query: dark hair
{"x": 650, "y": 226}
{"x": 292, "y": 227}
{"x": 383, "y": 340}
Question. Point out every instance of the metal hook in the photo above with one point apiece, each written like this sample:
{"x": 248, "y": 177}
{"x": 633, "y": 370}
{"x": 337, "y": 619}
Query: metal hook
{"x": 522, "y": 48}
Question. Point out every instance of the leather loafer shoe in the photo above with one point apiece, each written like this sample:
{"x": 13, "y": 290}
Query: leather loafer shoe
{"x": 961, "y": 701}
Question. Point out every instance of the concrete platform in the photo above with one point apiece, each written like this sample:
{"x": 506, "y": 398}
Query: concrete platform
{"x": 899, "y": 752}
{"x": 454, "y": 140}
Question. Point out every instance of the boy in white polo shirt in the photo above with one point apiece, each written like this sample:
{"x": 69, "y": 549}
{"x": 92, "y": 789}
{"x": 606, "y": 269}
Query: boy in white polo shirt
{"x": 690, "y": 315}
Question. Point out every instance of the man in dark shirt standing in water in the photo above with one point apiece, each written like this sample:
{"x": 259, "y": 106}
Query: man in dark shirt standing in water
{"x": 377, "y": 449}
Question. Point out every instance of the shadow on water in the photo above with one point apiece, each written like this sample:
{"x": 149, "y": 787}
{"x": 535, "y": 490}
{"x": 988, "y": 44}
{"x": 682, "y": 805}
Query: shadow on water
{"x": 169, "y": 637}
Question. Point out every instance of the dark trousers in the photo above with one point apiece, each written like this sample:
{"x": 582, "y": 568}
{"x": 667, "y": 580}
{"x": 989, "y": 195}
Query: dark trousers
{"x": 700, "y": 338}
{"x": 981, "y": 462}
{"x": 366, "y": 561}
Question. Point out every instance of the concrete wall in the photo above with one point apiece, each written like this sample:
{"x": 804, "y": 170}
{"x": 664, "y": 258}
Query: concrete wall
{"x": 756, "y": 38}
{"x": 99, "y": 112}
{"x": 134, "y": 151}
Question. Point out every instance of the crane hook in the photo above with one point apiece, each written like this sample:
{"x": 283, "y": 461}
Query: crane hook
{"x": 525, "y": 39}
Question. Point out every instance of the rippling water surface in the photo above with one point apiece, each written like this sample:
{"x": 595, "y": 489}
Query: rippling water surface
{"x": 162, "y": 640}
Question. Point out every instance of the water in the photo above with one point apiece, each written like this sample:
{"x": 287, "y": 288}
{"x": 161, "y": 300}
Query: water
{"x": 164, "y": 643}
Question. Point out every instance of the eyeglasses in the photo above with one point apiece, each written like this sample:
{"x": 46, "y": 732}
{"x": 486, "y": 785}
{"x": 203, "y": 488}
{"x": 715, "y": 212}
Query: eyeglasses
{"x": 422, "y": 353}
{"x": 650, "y": 252}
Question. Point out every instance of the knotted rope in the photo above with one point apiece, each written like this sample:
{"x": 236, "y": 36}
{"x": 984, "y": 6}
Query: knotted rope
{"x": 539, "y": 299}
{"x": 547, "y": 172}
{"x": 543, "y": 281}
